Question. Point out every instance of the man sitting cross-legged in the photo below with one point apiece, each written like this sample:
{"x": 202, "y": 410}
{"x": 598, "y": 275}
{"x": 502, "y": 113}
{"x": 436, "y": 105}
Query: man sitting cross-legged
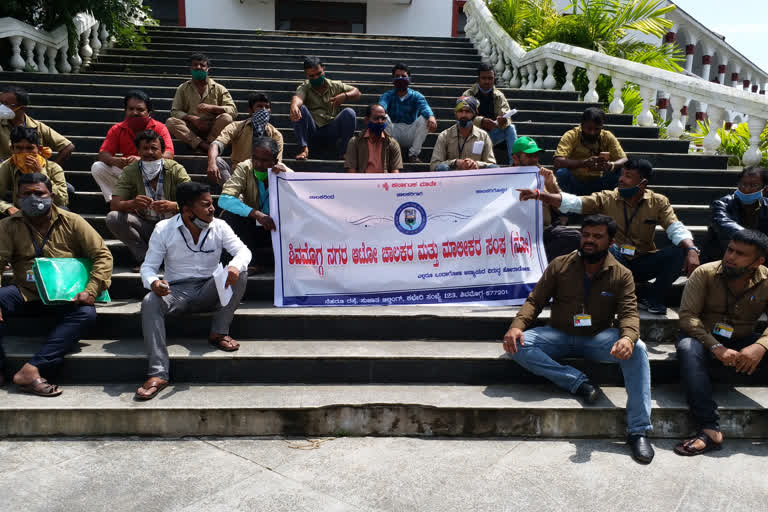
{"x": 721, "y": 305}
{"x": 588, "y": 289}
{"x": 190, "y": 245}
{"x": 463, "y": 146}
{"x": 145, "y": 195}
{"x": 42, "y": 230}
{"x": 245, "y": 201}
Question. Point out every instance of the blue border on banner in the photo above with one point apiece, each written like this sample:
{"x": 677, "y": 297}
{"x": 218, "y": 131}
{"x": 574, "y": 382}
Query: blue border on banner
{"x": 516, "y": 291}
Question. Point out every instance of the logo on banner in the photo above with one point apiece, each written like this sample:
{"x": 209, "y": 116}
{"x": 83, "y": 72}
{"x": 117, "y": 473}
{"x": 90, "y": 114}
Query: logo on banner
{"x": 410, "y": 218}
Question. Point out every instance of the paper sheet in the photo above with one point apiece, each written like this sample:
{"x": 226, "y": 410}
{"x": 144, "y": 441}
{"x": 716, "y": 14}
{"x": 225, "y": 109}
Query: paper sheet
{"x": 220, "y": 278}
{"x": 510, "y": 113}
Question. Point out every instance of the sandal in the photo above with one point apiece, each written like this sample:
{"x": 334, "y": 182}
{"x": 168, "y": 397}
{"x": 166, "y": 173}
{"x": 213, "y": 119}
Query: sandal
{"x": 152, "y": 382}
{"x": 225, "y": 343}
{"x": 40, "y": 387}
{"x": 686, "y": 448}
{"x": 303, "y": 155}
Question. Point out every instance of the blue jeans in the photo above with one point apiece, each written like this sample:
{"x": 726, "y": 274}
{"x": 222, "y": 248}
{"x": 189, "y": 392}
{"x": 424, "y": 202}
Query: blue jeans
{"x": 72, "y": 322}
{"x": 508, "y": 134}
{"x": 446, "y": 167}
{"x": 665, "y": 265}
{"x": 339, "y": 130}
{"x": 542, "y": 345}
{"x": 570, "y": 184}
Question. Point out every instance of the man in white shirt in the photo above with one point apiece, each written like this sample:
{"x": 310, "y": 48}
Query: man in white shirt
{"x": 190, "y": 244}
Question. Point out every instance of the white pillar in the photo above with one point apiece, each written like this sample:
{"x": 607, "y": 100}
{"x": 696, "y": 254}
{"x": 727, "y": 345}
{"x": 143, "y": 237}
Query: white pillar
{"x": 568, "y": 85}
{"x": 550, "y": 82}
{"x": 86, "y": 52}
{"x": 64, "y": 65}
{"x": 753, "y": 155}
{"x": 40, "y": 51}
{"x": 51, "y": 54}
{"x": 676, "y": 127}
{"x": 592, "y": 96}
{"x": 645, "y": 118}
{"x": 532, "y": 76}
{"x": 690, "y": 49}
{"x": 29, "y": 51}
{"x": 711, "y": 142}
{"x": 706, "y": 62}
{"x": 95, "y": 42}
{"x": 515, "y": 81}
{"x": 617, "y": 104}
{"x": 16, "y": 62}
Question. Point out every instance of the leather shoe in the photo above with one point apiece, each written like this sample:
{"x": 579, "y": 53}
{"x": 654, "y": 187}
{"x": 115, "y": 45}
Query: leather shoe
{"x": 589, "y": 392}
{"x": 642, "y": 451}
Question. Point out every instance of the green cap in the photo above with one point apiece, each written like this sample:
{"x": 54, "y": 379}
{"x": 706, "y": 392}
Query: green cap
{"x": 525, "y": 145}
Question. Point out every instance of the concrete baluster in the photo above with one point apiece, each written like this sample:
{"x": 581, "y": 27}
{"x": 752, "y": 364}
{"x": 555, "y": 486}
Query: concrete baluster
{"x": 104, "y": 36}
{"x": 550, "y": 82}
{"x": 86, "y": 52}
{"x": 645, "y": 118}
{"x": 40, "y": 51}
{"x": 76, "y": 61}
{"x": 95, "y": 42}
{"x": 568, "y": 85}
{"x": 662, "y": 104}
{"x": 523, "y": 77}
{"x": 676, "y": 127}
{"x": 539, "y": 83}
{"x": 29, "y": 51}
{"x": 711, "y": 142}
{"x": 16, "y": 61}
{"x": 753, "y": 155}
{"x": 50, "y": 52}
{"x": 532, "y": 76}
{"x": 617, "y": 104}
{"x": 64, "y": 65}
{"x": 509, "y": 71}
{"x": 515, "y": 82}
{"x": 592, "y": 96}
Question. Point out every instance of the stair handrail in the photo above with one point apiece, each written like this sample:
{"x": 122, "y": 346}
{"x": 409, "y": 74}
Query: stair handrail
{"x": 535, "y": 69}
{"x": 48, "y": 52}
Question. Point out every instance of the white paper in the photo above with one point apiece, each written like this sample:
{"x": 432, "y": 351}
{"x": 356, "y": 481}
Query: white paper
{"x": 220, "y": 278}
{"x": 477, "y": 147}
{"x": 510, "y": 113}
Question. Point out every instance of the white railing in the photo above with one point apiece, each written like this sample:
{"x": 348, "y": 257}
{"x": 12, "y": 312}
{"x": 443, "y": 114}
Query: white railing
{"x": 536, "y": 70}
{"x": 47, "y": 52}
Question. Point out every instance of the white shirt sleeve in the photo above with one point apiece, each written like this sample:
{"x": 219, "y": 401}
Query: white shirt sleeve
{"x": 677, "y": 232}
{"x": 570, "y": 203}
{"x": 241, "y": 255}
{"x": 154, "y": 257}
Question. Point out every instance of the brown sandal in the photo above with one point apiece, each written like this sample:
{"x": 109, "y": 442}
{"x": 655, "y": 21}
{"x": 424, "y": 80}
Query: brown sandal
{"x": 303, "y": 155}
{"x": 40, "y": 387}
{"x": 152, "y": 382}
{"x": 225, "y": 343}
{"x": 686, "y": 448}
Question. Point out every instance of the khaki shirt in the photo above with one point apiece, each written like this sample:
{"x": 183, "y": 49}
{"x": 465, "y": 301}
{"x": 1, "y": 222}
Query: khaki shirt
{"x": 240, "y": 135}
{"x": 9, "y": 181}
{"x": 319, "y": 103}
{"x": 243, "y": 184}
{"x": 447, "y": 148}
{"x": 70, "y": 237}
{"x": 652, "y": 209}
{"x": 187, "y": 99}
{"x": 704, "y": 304}
{"x": 48, "y": 136}
{"x": 572, "y": 146}
{"x": 357, "y": 153}
{"x": 131, "y": 183}
{"x": 612, "y": 294}
{"x": 500, "y": 104}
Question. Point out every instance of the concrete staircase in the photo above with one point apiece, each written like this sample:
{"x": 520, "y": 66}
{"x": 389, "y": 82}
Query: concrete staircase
{"x": 304, "y": 371}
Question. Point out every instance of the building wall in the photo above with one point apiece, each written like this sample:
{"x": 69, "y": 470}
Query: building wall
{"x": 420, "y": 18}
{"x": 251, "y": 14}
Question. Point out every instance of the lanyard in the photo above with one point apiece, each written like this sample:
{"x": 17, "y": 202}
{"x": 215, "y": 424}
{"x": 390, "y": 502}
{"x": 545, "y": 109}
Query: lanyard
{"x": 155, "y": 193}
{"x": 587, "y": 291}
{"x": 202, "y": 242}
{"x": 628, "y": 221}
{"x": 458, "y": 144}
{"x": 39, "y": 249}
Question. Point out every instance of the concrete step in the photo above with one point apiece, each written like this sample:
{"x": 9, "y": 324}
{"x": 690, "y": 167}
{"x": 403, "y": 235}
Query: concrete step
{"x": 334, "y": 410}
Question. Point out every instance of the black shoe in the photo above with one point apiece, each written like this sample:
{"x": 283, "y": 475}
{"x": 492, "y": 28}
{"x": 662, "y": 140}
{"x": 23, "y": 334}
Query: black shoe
{"x": 657, "y": 309}
{"x": 642, "y": 303}
{"x": 589, "y": 392}
{"x": 642, "y": 451}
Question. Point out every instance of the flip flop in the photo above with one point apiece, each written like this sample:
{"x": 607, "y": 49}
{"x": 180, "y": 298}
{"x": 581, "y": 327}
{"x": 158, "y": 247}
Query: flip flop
{"x": 40, "y": 387}
{"x": 303, "y": 155}
{"x": 216, "y": 342}
{"x": 686, "y": 448}
{"x": 153, "y": 382}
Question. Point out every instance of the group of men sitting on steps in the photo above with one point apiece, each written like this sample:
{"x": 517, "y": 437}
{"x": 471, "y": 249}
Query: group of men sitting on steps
{"x": 167, "y": 220}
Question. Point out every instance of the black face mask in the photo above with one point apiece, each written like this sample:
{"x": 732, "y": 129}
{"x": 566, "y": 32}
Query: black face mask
{"x": 732, "y": 273}
{"x": 594, "y": 257}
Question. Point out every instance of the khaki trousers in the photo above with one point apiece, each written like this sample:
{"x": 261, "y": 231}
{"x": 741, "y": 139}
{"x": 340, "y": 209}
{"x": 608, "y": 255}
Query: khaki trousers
{"x": 179, "y": 129}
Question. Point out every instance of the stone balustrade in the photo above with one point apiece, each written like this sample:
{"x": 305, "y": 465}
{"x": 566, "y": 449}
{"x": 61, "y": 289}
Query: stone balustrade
{"x": 536, "y": 70}
{"x": 48, "y": 52}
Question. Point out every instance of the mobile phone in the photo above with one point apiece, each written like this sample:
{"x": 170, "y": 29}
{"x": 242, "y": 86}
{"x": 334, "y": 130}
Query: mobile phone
{"x": 605, "y": 155}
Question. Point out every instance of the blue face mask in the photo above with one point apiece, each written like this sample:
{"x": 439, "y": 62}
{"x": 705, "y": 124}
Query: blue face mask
{"x": 376, "y": 128}
{"x": 749, "y": 198}
{"x": 484, "y": 91}
{"x": 463, "y": 123}
{"x": 626, "y": 193}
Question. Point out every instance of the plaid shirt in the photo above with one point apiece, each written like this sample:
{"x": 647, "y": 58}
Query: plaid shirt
{"x": 406, "y": 109}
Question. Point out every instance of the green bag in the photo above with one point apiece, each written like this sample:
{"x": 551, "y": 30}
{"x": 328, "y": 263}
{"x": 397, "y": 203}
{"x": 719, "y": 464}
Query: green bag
{"x": 58, "y": 280}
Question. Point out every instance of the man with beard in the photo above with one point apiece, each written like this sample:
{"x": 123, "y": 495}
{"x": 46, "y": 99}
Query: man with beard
{"x": 721, "y": 305}
{"x": 409, "y": 117}
{"x": 463, "y": 146}
{"x": 120, "y": 140}
{"x": 241, "y": 135}
{"x": 588, "y": 289}
{"x": 588, "y": 158}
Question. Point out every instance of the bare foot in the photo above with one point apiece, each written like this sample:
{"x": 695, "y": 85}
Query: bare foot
{"x": 26, "y": 376}
{"x": 304, "y": 154}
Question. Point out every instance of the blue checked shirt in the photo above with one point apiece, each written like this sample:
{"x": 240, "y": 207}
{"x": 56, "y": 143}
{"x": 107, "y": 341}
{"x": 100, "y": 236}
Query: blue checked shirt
{"x": 406, "y": 109}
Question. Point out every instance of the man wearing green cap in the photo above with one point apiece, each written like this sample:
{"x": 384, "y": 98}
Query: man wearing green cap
{"x": 558, "y": 239}
{"x": 463, "y": 146}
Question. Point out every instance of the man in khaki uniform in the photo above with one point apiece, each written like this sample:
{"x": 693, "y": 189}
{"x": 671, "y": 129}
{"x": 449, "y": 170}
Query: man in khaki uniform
{"x": 588, "y": 290}
{"x": 463, "y": 146}
{"x": 315, "y": 110}
{"x": 201, "y": 107}
{"x": 373, "y": 150}
{"x": 637, "y": 211}
{"x": 17, "y": 100}
{"x": 245, "y": 201}
{"x": 40, "y": 229}
{"x": 240, "y": 135}
{"x": 588, "y": 158}
{"x": 721, "y": 304}
{"x": 144, "y": 195}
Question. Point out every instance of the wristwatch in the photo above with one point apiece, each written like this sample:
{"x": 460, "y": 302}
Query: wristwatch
{"x": 715, "y": 347}
{"x": 694, "y": 248}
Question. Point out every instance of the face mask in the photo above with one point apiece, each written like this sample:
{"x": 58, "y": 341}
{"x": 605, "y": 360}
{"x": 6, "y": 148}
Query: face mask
{"x": 401, "y": 83}
{"x": 749, "y": 198}
{"x": 628, "y": 192}
{"x": 137, "y": 124}
{"x": 484, "y": 91}
{"x": 151, "y": 169}
{"x": 376, "y": 128}
{"x": 33, "y": 206}
{"x": 20, "y": 161}
{"x": 463, "y": 123}
{"x": 259, "y": 120}
{"x": 260, "y": 175}
{"x": 594, "y": 257}
{"x": 200, "y": 223}
{"x": 317, "y": 82}
{"x": 199, "y": 74}
{"x": 6, "y": 112}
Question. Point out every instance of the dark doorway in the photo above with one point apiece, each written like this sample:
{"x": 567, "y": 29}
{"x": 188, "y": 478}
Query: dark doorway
{"x": 320, "y": 16}
{"x": 165, "y": 11}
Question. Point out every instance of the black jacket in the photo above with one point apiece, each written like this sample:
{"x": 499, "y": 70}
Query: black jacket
{"x": 726, "y": 220}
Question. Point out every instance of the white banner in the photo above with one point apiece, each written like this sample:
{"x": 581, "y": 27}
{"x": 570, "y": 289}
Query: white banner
{"x": 411, "y": 238}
